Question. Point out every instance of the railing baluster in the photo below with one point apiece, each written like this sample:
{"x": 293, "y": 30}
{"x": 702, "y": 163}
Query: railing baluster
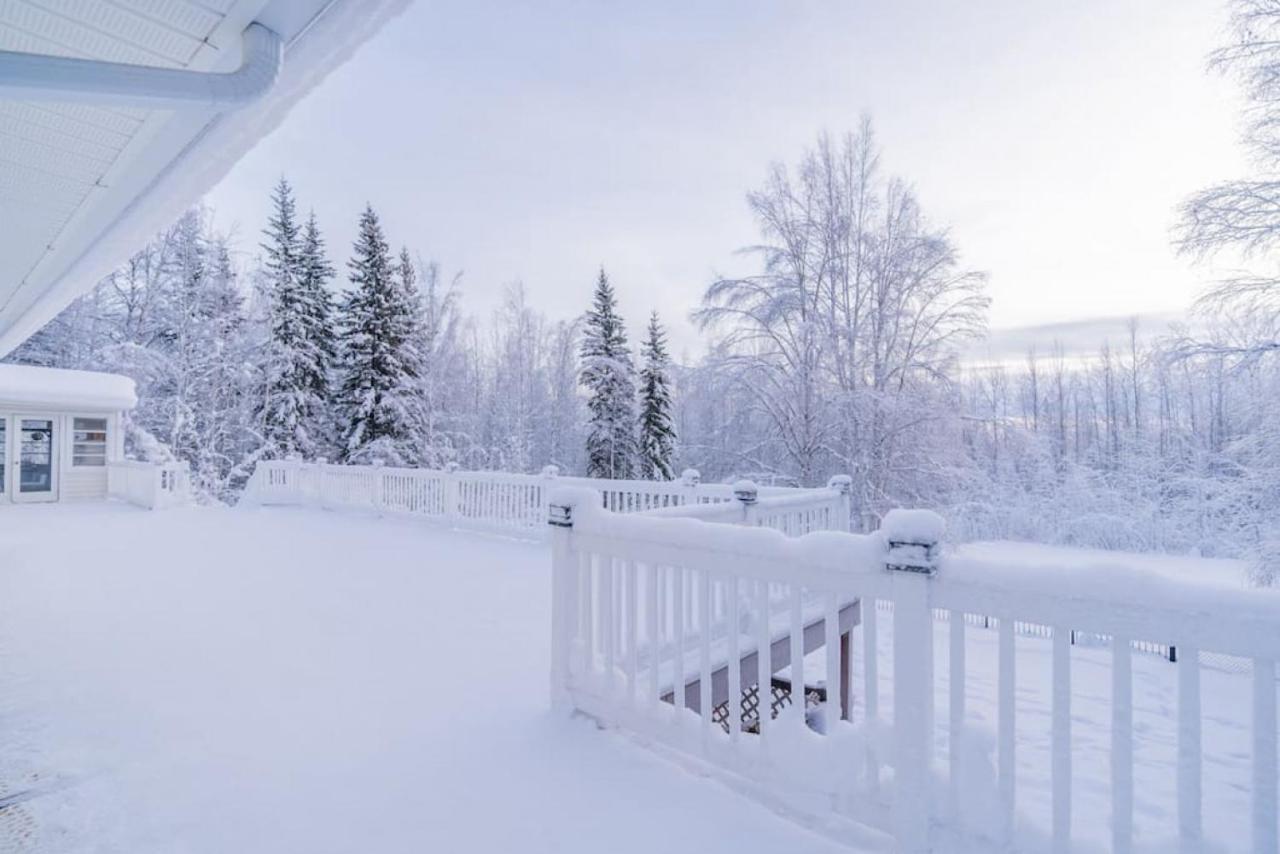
{"x": 677, "y": 653}
{"x": 764, "y": 668}
{"x": 704, "y": 659}
{"x": 836, "y": 695}
{"x": 870, "y": 690}
{"x": 735, "y": 659}
{"x": 655, "y": 646}
{"x": 633, "y": 630}
{"x": 1189, "y": 825}
{"x": 955, "y": 733}
{"x": 1006, "y": 739}
{"x": 618, "y": 592}
{"x": 1264, "y": 756}
{"x": 797, "y": 648}
{"x": 1121, "y": 744}
{"x": 606, "y": 610}
{"x": 586, "y": 630}
{"x": 1061, "y": 762}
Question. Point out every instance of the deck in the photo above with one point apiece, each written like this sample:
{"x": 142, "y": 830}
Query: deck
{"x": 294, "y": 680}
{"x": 299, "y": 680}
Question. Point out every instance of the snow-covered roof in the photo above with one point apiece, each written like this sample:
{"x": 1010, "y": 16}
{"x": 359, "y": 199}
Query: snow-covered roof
{"x": 55, "y": 388}
{"x": 84, "y": 185}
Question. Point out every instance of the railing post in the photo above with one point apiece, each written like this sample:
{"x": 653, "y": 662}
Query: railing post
{"x": 843, "y": 484}
{"x": 564, "y": 589}
{"x": 549, "y": 475}
{"x": 451, "y": 492}
{"x": 293, "y": 465}
{"x": 747, "y": 494}
{"x": 689, "y": 479}
{"x": 912, "y": 551}
{"x": 379, "y": 486}
{"x": 318, "y": 493}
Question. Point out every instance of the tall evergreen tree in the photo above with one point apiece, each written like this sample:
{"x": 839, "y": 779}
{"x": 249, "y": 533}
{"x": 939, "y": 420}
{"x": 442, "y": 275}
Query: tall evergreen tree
{"x": 608, "y": 373}
{"x": 380, "y": 393}
{"x": 315, "y": 275}
{"x": 411, "y": 297}
{"x": 657, "y": 449}
{"x": 300, "y": 348}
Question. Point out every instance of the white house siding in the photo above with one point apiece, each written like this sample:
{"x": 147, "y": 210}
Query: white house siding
{"x": 84, "y": 482}
{"x": 74, "y": 483}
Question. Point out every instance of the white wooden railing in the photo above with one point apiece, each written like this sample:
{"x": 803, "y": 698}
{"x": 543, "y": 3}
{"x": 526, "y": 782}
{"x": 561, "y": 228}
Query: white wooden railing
{"x": 517, "y": 503}
{"x": 656, "y": 619}
{"x": 154, "y": 486}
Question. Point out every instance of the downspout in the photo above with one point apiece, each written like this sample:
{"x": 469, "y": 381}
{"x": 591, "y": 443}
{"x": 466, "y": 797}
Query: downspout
{"x": 36, "y": 77}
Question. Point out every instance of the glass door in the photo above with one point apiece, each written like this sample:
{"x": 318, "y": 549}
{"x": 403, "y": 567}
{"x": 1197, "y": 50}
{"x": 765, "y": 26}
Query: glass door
{"x": 37, "y": 460}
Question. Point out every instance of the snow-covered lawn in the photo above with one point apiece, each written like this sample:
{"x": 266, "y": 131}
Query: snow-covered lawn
{"x": 298, "y": 681}
{"x": 282, "y": 680}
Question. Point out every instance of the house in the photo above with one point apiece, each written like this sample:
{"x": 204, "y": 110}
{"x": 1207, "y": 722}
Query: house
{"x": 60, "y": 431}
{"x": 114, "y": 118}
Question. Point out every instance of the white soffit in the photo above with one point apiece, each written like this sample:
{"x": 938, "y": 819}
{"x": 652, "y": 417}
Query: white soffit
{"x": 83, "y": 187}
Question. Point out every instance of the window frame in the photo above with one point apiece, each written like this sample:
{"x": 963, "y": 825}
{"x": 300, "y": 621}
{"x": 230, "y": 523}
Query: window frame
{"x": 80, "y": 447}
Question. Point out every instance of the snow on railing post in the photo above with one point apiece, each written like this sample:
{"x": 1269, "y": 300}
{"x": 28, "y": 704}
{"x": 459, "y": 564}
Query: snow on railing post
{"x": 843, "y": 484}
{"x": 747, "y": 494}
{"x": 912, "y": 541}
{"x": 564, "y": 507}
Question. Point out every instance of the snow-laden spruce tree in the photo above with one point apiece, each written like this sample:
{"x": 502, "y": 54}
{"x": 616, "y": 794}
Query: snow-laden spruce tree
{"x": 300, "y": 348}
{"x": 656, "y": 458}
{"x": 315, "y": 273}
{"x": 608, "y": 374}
{"x": 379, "y": 395}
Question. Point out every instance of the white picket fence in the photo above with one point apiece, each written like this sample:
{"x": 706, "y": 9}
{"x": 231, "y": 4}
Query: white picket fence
{"x": 508, "y": 503}
{"x": 656, "y": 619}
{"x": 154, "y": 486}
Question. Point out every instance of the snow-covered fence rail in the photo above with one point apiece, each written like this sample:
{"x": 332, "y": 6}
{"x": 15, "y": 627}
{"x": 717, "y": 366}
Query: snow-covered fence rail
{"x": 517, "y": 503}
{"x": 793, "y": 512}
{"x": 658, "y": 620}
{"x": 150, "y": 485}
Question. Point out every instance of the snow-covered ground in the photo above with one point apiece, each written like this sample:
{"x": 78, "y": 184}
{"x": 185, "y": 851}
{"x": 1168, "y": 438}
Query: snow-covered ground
{"x": 299, "y": 680}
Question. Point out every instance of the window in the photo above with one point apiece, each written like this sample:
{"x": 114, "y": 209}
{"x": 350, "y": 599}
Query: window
{"x": 89, "y": 442}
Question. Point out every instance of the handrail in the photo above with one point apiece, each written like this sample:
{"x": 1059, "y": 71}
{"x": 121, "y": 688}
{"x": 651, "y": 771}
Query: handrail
{"x": 639, "y": 597}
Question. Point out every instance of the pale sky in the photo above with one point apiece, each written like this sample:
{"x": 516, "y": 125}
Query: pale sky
{"x": 537, "y": 141}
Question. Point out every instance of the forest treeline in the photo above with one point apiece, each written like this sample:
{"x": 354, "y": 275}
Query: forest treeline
{"x": 840, "y": 354}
